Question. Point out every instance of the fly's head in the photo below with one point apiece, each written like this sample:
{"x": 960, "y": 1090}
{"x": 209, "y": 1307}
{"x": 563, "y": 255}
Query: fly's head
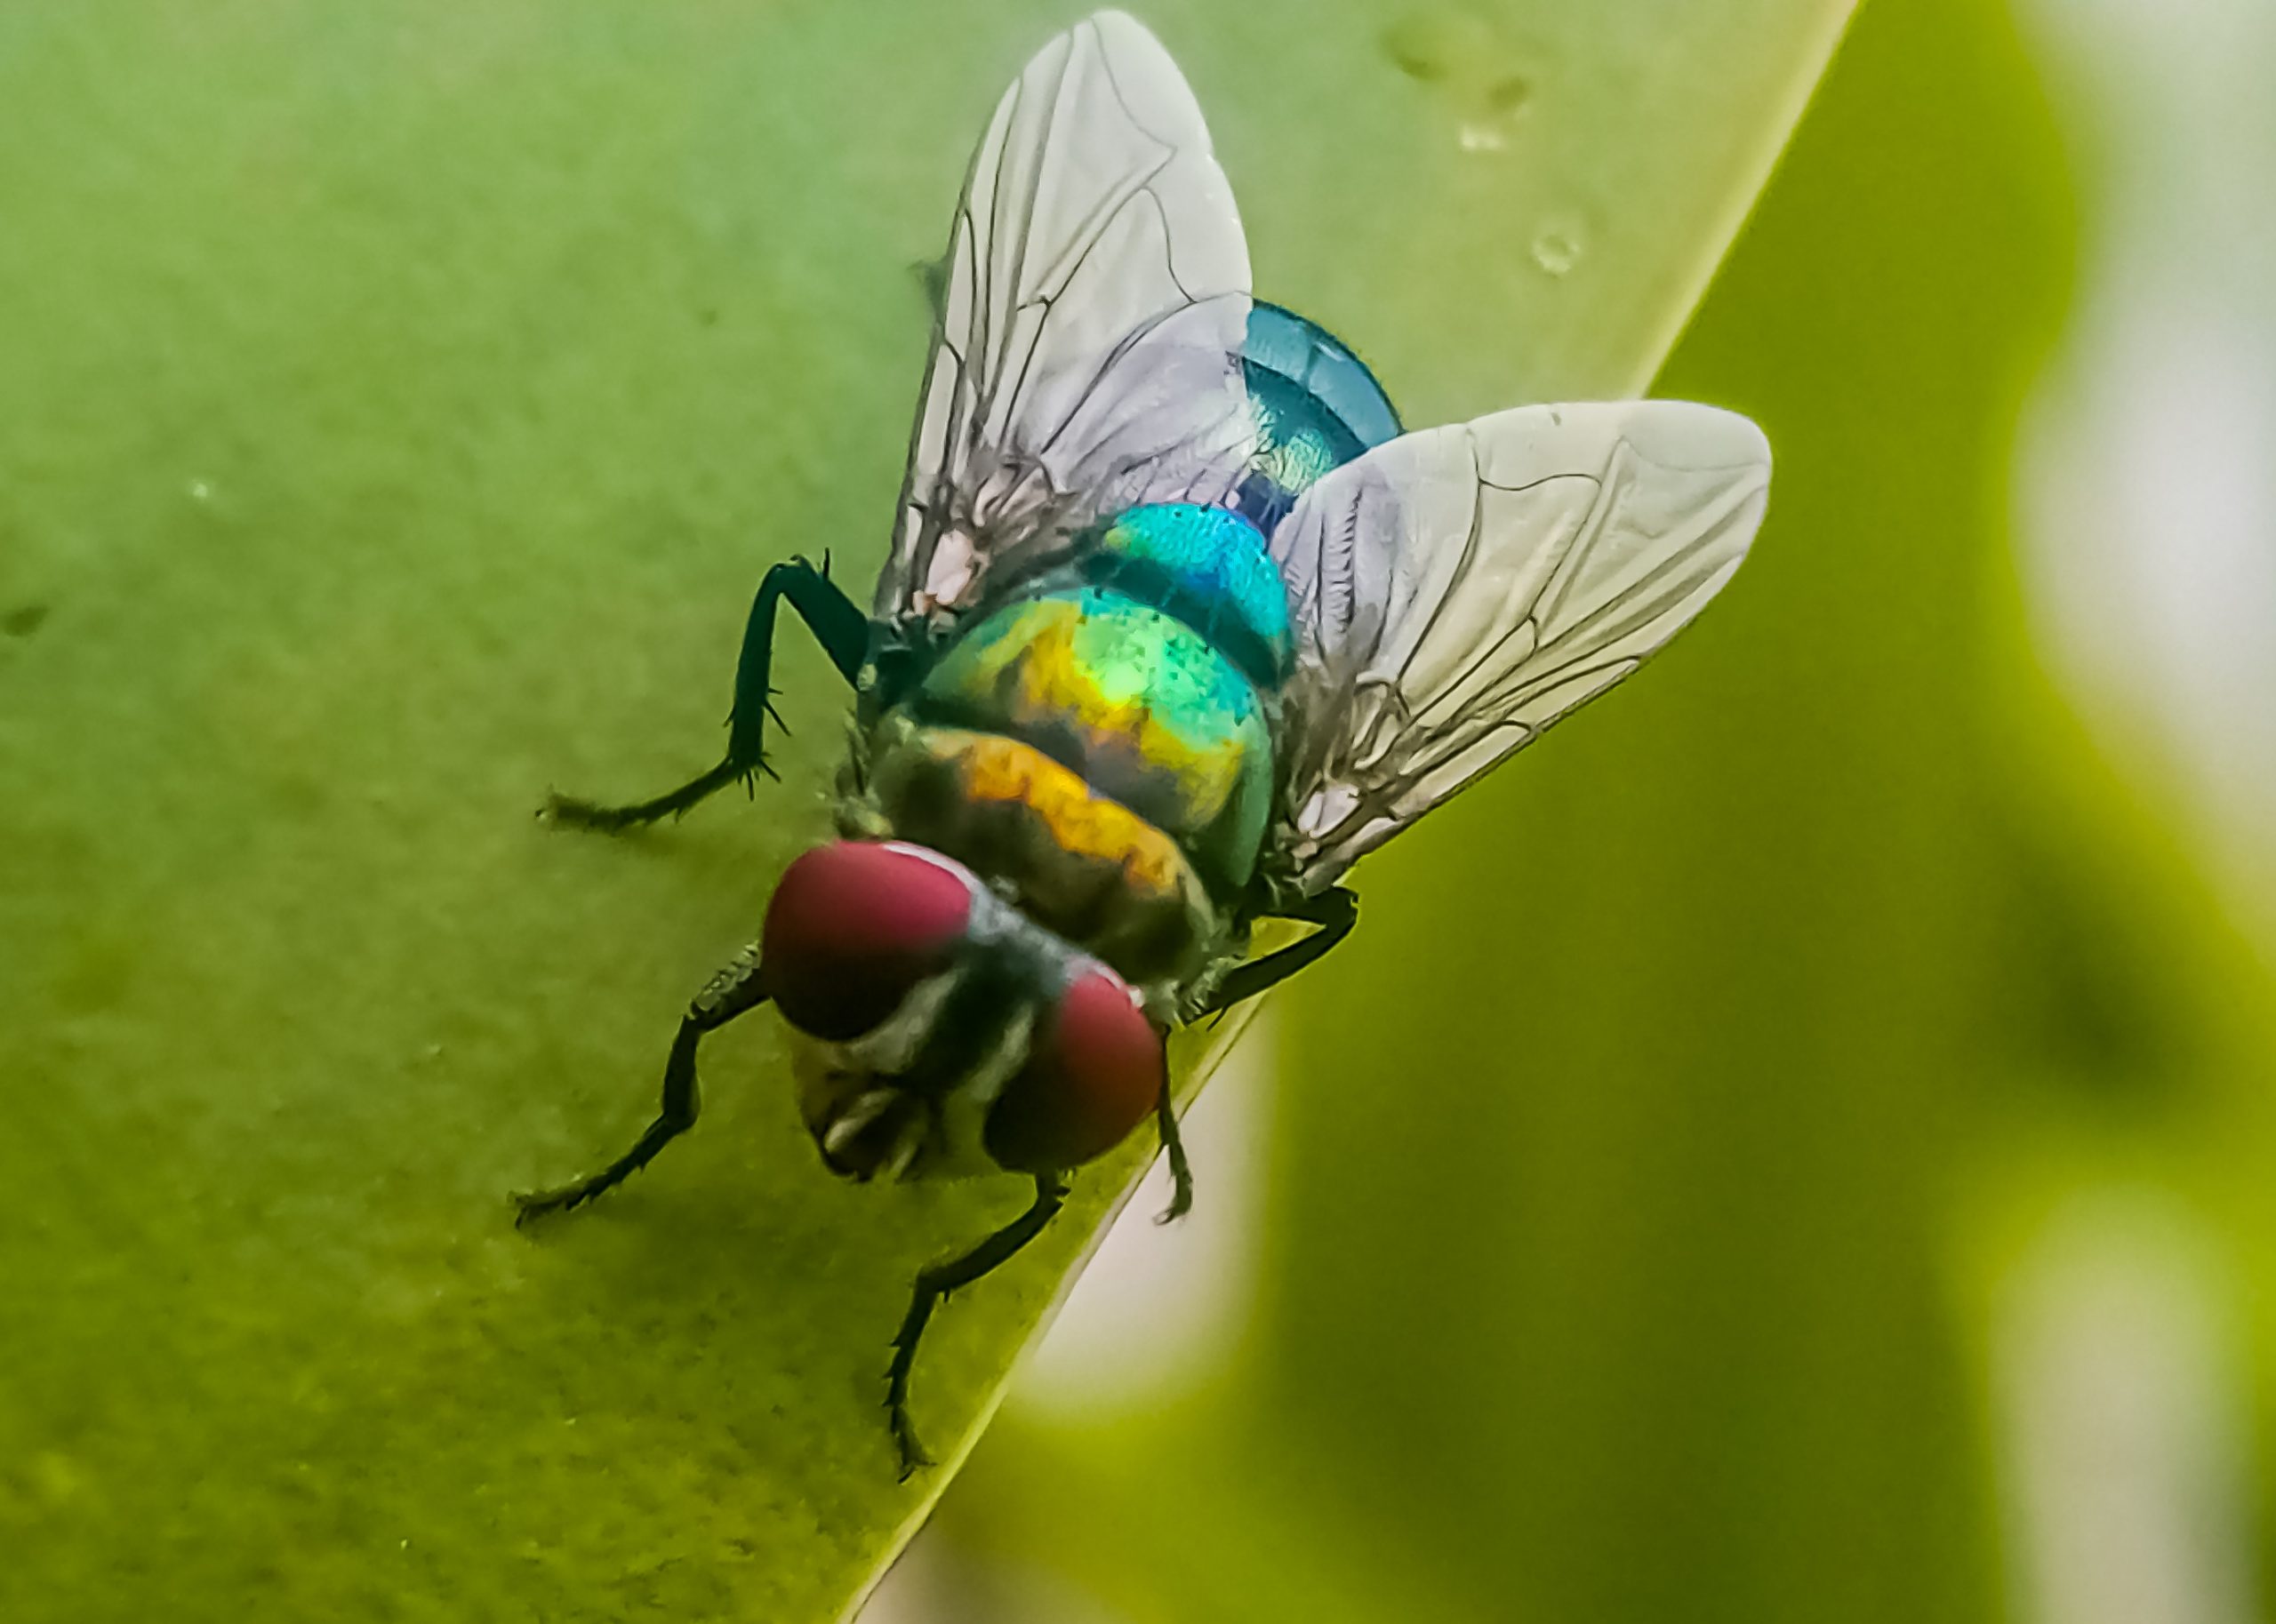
{"x": 942, "y": 1031}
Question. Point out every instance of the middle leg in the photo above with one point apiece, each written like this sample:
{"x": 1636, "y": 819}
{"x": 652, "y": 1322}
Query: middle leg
{"x": 1173, "y": 1148}
{"x": 1335, "y": 911}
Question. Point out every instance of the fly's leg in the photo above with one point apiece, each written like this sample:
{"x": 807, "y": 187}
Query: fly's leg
{"x": 1335, "y": 911}
{"x": 838, "y": 625}
{"x": 732, "y": 991}
{"x": 933, "y": 1287}
{"x": 1173, "y": 1148}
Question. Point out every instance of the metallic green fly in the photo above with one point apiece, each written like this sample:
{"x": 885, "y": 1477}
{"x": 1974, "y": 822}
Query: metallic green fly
{"x": 1176, "y": 626}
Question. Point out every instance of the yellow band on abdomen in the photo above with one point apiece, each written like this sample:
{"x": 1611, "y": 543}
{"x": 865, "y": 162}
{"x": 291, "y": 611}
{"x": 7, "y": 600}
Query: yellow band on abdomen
{"x": 1084, "y": 823}
{"x": 1077, "y": 861}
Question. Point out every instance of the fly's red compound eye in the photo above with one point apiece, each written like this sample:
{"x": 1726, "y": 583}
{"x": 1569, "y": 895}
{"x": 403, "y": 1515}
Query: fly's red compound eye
{"x": 1094, "y": 1071}
{"x": 854, "y": 925}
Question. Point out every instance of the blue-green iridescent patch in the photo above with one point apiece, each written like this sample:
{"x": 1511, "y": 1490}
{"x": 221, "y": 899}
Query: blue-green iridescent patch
{"x": 1211, "y": 567}
{"x": 1317, "y": 407}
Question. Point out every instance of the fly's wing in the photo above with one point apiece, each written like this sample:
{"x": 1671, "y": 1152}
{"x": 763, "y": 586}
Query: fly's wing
{"x": 1459, "y": 590}
{"x": 1086, "y": 355}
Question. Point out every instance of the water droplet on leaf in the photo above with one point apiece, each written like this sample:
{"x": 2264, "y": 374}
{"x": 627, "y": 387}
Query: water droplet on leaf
{"x": 1555, "y": 251}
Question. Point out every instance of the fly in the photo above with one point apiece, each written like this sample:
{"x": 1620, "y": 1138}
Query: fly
{"x": 1177, "y": 624}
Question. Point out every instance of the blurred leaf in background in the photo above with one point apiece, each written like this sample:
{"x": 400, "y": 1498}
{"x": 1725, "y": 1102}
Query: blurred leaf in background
{"x": 2121, "y": 1267}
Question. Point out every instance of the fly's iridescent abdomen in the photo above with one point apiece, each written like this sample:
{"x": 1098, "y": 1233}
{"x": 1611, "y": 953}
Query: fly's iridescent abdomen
{"x": 1317, "y": 407}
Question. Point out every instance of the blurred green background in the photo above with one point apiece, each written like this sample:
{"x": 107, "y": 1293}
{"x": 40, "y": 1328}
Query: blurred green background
{"x": 1793, "y": 1147}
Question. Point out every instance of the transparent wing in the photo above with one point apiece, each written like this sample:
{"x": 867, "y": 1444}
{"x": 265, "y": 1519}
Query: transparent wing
{"x": 1459, "y": 590}
{"x": 1086, "y": 356}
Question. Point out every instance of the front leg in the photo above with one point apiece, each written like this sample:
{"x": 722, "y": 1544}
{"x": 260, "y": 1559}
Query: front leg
{"x": 837, "y": 624}
{"x": 734, "y": 990}
{"x": 933, "y": 1287}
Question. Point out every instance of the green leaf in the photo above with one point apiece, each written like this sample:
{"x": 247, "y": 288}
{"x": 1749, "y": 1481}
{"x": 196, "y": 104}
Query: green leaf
{"x": 399, "y": 406}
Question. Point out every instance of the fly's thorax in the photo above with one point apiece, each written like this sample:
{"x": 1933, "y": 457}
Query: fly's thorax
{"x": 1074, "y": 860}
